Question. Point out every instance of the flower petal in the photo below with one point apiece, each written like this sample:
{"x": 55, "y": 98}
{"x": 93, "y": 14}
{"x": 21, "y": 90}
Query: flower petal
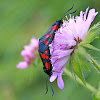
{"x": 91, "y": 15}
{"x": 25, "y": 53}
{"x": 62, "y": 53}
{"x": 57, "y": 54}
{"x": 22, "y": 65}
{"x": 29, "y": 53}
{"x": 53, "y": 76}
{"x": 34, "y": 43}
{"x": 60, "y": 82}
{"x": 85, "y": 13}
{"x": 60, "y": 64}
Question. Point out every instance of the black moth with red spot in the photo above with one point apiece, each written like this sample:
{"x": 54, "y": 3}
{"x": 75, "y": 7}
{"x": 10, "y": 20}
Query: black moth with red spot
{"x": 44, "y": 42}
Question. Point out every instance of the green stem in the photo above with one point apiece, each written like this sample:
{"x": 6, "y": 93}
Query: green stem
{"x": 88, "y": 86}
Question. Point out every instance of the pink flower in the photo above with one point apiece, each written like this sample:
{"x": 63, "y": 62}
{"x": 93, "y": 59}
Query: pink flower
{"x": 28, "y": 53}
{"x": 66, "y": 39}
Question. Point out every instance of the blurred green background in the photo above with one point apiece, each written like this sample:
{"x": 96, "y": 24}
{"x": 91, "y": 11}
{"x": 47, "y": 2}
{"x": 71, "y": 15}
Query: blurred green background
{"x": 20, "y": 20}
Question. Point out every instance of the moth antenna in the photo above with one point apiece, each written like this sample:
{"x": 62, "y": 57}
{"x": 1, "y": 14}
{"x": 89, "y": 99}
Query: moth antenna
{"x": 66, "y": 12}
{"x": 46, "y": 85}
{"x": 72, "y": 12}
{"x": 51, "y": 87}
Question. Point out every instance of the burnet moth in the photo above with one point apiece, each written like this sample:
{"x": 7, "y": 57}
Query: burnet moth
{"x": 44, "y": 43}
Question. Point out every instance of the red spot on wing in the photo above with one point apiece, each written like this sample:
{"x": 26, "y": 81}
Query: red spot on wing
{"x": 47, "y": 65}
{"x": 46, "y": 57}
{"x": 46, "y": 42}
{"x": 43, "y": 56}
{"x": 46, "y": 35}
{"x": 46, "y": 51}
{"x": 50, "y": 36}
{"x": 55, "y": 27}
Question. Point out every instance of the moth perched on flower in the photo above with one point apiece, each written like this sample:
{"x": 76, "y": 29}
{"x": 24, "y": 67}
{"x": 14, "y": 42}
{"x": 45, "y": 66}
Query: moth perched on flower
{"x": 69, "y": 42}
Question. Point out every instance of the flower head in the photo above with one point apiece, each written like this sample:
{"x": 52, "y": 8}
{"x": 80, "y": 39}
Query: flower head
{"x": 28, "y": 53}
{"x": 66, "y": 39}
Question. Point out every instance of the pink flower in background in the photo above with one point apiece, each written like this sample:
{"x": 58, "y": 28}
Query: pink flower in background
{"x": 66, "y": 39}
{"x": 28, "y": 53}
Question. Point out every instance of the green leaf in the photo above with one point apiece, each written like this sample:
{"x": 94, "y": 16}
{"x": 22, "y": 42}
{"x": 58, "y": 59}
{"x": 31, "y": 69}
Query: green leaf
{"x": 83, "y": 64}
{"x": 94, "y": 97}
{"x": 91, "y": 34}
{"x": 90, "y": 47}
{"x": 83, "y": 54}
{"x": 97, "y": 37}
{"x": 95, "y": 63}
{"x": 76, "y": 67}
